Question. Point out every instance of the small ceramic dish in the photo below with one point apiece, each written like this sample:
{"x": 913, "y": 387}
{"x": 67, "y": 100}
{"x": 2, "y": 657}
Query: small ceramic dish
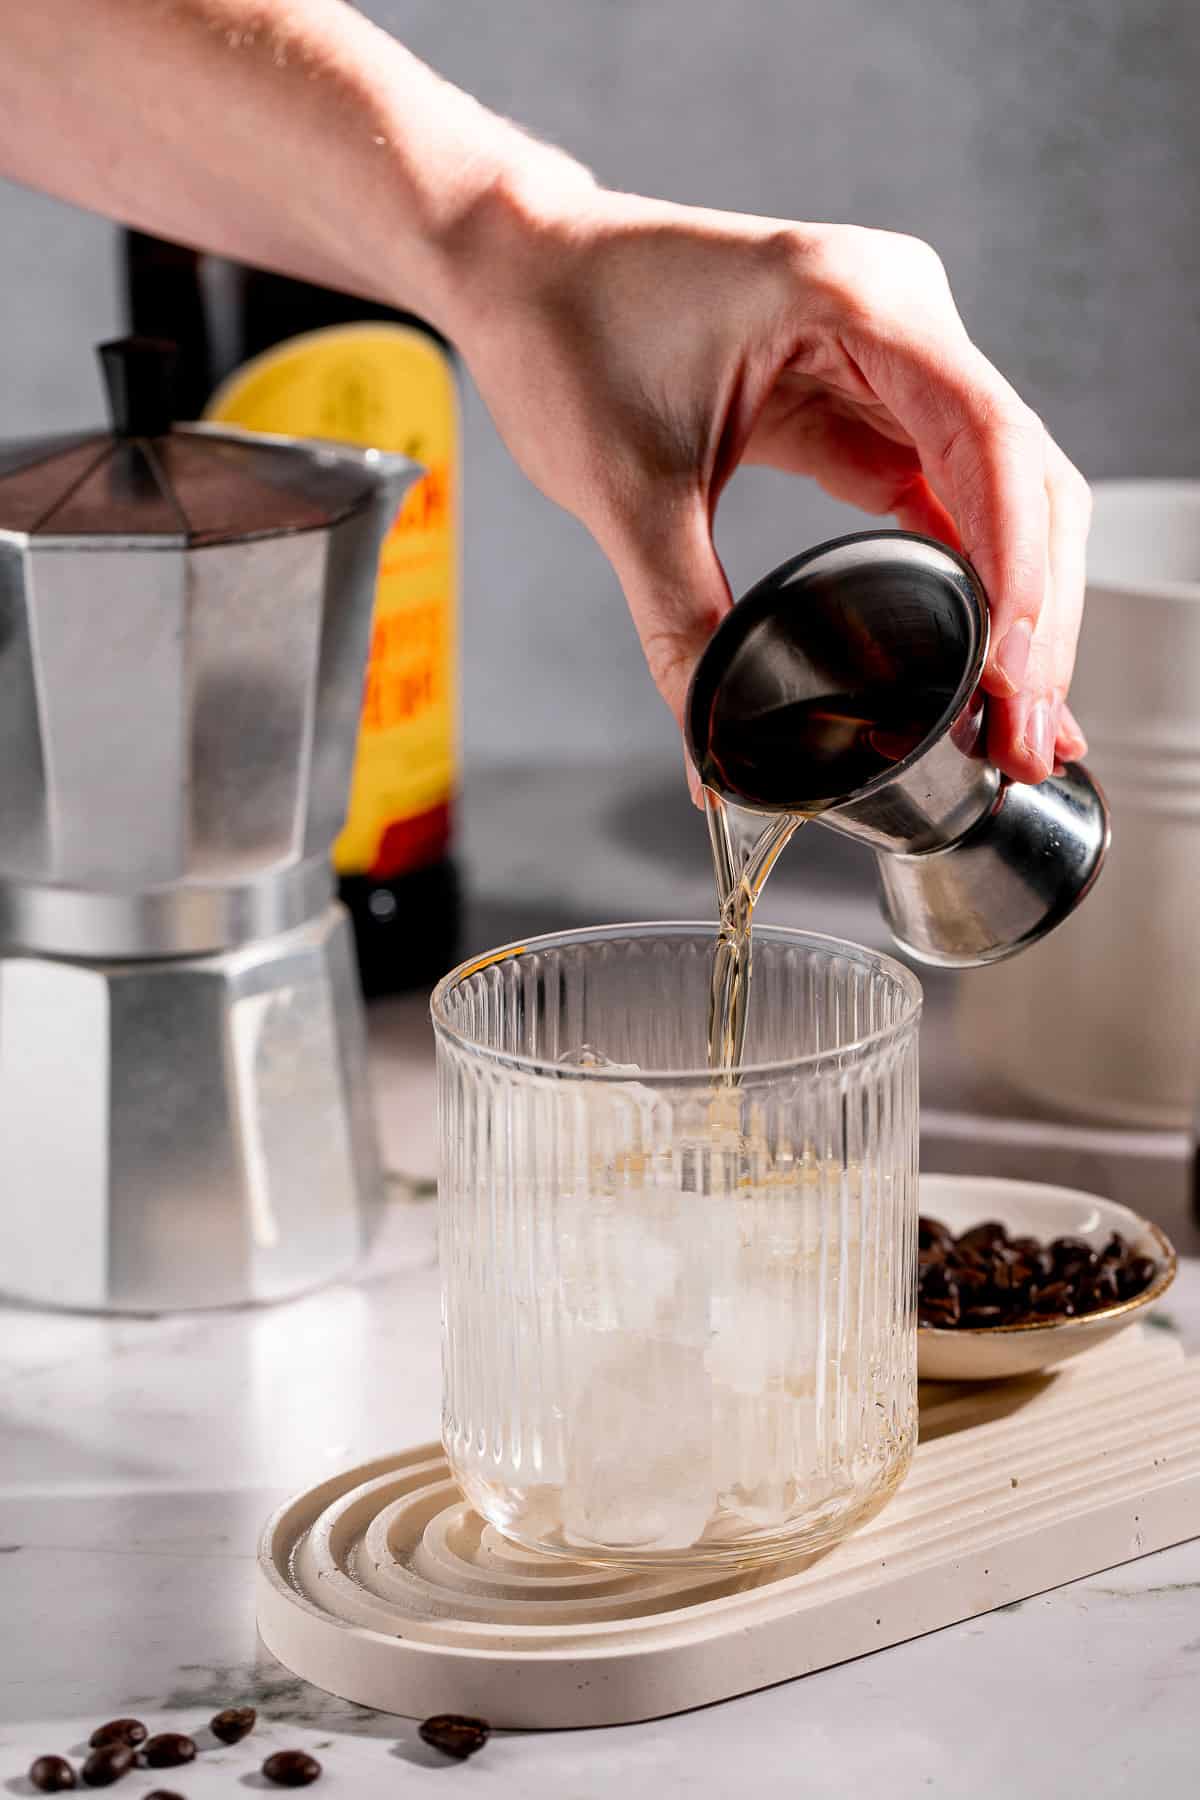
{"x": 1027, "y": 1208}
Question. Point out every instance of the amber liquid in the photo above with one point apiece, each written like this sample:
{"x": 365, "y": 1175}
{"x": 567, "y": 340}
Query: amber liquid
{"x": 745, "y": 846}
{"x": 812, "y": 754}
{"x": 817, "y": 752}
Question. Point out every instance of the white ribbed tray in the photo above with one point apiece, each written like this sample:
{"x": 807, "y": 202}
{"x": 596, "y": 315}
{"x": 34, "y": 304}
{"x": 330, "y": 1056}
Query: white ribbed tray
{"x": 382, "y": 1586}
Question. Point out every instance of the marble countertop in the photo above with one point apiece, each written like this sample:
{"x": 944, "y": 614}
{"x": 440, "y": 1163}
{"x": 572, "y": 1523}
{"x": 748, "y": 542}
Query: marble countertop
{"x": 139, "y": 1459}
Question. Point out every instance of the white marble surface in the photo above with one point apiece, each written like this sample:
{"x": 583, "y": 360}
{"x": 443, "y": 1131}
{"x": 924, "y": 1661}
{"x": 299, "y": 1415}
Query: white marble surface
{"x": 138, "y": 1459}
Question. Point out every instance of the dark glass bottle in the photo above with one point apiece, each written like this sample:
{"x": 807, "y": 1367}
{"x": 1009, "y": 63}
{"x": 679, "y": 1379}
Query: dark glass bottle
{"x": 271, "y": 353}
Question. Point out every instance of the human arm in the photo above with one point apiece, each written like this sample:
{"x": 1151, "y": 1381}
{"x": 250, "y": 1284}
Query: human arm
{"x": 632, "y": 352}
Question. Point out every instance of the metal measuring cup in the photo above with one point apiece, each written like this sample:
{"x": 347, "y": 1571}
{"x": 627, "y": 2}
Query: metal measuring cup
{"x": 845, "y": 686}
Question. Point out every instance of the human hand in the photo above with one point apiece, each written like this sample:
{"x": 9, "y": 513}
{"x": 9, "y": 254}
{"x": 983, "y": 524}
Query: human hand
{"x": 634, "y": 353}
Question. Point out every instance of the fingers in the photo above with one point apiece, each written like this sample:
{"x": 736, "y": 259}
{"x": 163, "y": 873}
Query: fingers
{"x": 919, "y": 509}
{"x": 1070, "y": 503}
{"x": 1072, "y": 744}
{"x": 677, "y": 593}
{"x": 693, "y": 782}
{"x": 1030, "y": 732}
{"x": 1021, "y": 510}
{"x": 806, "y": 432}
{"x": 984, "y": 454}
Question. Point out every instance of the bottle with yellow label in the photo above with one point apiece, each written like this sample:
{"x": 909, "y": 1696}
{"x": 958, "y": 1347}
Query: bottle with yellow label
{"x": 272, "y": 354}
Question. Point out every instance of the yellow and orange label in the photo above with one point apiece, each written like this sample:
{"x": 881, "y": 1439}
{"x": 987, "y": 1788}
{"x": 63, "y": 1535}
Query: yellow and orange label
{"x": 392, "y": 388}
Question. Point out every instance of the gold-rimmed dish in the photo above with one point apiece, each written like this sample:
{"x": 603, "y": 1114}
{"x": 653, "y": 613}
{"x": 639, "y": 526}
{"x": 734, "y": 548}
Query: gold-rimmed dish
{"x": 1033, "y": 1209}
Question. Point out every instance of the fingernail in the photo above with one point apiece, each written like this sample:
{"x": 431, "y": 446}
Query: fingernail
{"x": 1070, "y": 724}
{"x": 1039, "y": 734}
{"x": 1012, "y": 656}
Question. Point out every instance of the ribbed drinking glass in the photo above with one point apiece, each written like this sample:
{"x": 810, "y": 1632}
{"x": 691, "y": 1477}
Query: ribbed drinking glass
{"x": 678, "y": 1307}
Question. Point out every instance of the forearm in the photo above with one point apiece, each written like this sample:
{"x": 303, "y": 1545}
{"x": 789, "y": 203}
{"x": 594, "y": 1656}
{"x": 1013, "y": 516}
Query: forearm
{"x": 290, "y": 133}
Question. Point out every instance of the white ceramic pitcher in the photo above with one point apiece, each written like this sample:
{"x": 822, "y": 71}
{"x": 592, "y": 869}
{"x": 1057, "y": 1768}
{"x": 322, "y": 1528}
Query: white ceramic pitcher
{"x": 1103, "y": 1019}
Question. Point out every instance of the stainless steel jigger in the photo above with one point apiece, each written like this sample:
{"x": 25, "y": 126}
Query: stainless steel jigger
{"x": 887, "y": 625}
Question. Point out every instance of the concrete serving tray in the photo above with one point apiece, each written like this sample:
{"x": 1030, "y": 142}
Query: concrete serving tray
{"x": 383, "y": 1587}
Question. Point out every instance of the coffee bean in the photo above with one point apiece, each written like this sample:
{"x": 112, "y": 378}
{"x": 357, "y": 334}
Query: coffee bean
{"x": 970, "y": 1256}
{"x": 1136, "y": 1275}
{"x": 51, "y": 1774}
{"x": 455, "y": 1736}
{"x": 1097, "y": 1291}
{"x": 163, "y": 1794}
{"x": 118, "y": 1731}
{"x": 291, "y": 1768}
{"x": 983, "y": 1237}
{"x": 1071, "y": 1253}
{"x": 232, "y": 1725}
{"x": 979, "y": 1318}
{"x": 972, "y": 1277}
{"x": 108, "y": 1764}
{"x": 934, "y": 1237}
{"x": 169, "y": 1750}
{"x": 985, "y": 1278}
{"x": 1009, "y": 1274}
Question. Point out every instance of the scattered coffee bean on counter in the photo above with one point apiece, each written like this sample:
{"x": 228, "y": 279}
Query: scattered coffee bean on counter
{"x": 454, "y": 1735}
{"x": 163, "y": 1794}
{"x": 169, "y": 1750}
{"x": 119, "y": 1731}
{"x": 986, "y": 1278}
{"x": 51, "y": 1774}
{"x": 291, "y": 1768}
{"x": 108, "y": 1764}
{"x": 233, "y": 1724}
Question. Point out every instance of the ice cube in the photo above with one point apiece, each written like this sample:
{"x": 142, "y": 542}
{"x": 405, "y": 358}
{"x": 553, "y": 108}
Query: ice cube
{"x": 586, "y": 1056}
{"x": 639, "y": 1444}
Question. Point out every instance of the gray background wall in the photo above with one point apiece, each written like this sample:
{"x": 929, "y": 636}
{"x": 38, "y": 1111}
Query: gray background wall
{"x": 1049, "y": 151}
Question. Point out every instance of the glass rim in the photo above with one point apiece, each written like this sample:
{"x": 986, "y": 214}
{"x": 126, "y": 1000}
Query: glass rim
{"x": 857, "y": 1047}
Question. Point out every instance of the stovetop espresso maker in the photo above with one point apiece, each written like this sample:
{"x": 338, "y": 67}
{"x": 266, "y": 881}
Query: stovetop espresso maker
{"x": 185, "y": 615}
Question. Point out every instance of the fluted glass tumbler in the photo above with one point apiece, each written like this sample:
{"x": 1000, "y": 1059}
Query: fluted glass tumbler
{"x": 678, "y": 1308}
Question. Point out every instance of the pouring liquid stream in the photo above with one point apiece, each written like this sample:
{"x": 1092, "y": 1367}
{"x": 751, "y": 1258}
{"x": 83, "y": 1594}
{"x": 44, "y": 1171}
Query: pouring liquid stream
{"x": 745, "y": 846}
{"x": 824, "y": 747}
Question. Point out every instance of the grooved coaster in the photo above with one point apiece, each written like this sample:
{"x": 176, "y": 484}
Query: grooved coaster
{"x": 384, "y": 1587}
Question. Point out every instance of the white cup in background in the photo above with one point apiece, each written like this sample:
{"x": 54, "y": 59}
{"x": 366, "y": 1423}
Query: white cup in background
{"x": 1102, "y": 1019}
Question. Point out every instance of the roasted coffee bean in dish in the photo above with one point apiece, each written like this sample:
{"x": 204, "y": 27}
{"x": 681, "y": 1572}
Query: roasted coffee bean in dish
{"x": 984, "y": 1277}
{"x": 1017, "y": 1276}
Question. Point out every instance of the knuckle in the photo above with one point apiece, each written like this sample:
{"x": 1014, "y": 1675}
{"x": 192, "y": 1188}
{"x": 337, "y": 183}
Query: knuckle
{"x": 920, "y": 256}
{"x": 834, "y": 266}
{"x": 997, "y": 426}
{"x": 873, "y": 280}
{"x": 670, "y": 658}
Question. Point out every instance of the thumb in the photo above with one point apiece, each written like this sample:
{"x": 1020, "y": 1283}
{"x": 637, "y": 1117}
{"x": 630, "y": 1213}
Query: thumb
{"x": 677, "y": 592}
